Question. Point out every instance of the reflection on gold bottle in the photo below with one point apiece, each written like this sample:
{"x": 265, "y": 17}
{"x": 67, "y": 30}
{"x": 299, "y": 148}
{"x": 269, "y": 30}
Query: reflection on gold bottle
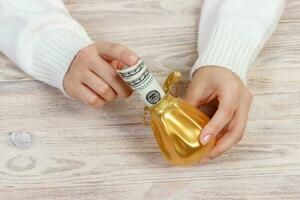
{"x": 177, "y": 127}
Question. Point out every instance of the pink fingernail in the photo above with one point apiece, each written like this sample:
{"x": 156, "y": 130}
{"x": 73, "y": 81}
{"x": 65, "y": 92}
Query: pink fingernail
{"x": 120, "y": 65}
{"x": 206, "y": 139}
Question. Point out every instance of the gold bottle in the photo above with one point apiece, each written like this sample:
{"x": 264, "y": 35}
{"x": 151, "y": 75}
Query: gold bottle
{"x": 177, "y": 127}
{"x": 175, "y": 123}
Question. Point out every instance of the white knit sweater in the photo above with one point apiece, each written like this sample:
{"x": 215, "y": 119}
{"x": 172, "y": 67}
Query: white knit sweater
{"x": 42, "y": 38}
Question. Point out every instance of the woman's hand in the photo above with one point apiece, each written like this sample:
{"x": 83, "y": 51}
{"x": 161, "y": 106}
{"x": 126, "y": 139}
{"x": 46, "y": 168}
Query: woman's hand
{"x": 91, "y": 77}
{"x": 234, "y": 100}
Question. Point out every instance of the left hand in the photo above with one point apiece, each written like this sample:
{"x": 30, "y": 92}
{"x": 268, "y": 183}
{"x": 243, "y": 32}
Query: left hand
{"x": 234, "y": 100}
{"x": 92, "y": 76}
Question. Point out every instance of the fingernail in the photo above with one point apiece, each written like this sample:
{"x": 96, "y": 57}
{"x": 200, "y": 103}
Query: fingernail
{"x": 114, "y": 64}
{"x": 120, "y": 65}
{"x": 133, "y": 59}
{"x": 206, "y": 139}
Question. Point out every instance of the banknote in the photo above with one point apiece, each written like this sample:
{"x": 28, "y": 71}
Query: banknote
{"x": 142, "y": 82}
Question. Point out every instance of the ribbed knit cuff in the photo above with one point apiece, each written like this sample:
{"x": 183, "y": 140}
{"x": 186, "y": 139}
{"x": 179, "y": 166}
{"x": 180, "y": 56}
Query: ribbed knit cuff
{"x": 53, "y": 51}
{"x": 229, "y": 48}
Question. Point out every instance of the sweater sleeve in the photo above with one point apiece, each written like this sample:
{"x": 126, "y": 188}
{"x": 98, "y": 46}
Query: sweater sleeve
{"x": 41, "y": 37}
{"x": 232, "y": 32}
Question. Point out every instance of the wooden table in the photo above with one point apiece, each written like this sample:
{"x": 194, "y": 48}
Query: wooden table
{"x": 70, "y": 151}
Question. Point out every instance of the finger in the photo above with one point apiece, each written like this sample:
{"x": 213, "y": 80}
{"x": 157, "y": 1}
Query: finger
{"x": 107, "y": 58}
{"x": 117, "y": 64}
{"x": 235, "y": 132}
{"x": 204, "y": 160}
{"x": 96, "y": 84}
{"x": 196, "y": 94}
{"x": 106, "y": 72}
{"x": 228, "y": 101}
{"x": 222, "y": 132}
{"x": 89, "y": 97}
{"x": 117, "y": 52}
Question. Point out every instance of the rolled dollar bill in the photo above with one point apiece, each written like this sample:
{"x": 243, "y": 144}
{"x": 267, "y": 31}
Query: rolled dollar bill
{"x": 142, "y": 82}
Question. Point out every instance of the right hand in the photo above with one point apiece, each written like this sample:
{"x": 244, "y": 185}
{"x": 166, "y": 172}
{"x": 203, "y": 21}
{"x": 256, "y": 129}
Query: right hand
{"x": 91, "y": 77}
{"x": 223, "y": 87}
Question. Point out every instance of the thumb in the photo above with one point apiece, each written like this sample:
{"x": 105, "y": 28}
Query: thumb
{"x": 117, "y": 52}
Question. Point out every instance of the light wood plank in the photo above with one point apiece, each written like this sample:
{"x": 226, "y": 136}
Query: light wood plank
{"x": 82, "y": 153}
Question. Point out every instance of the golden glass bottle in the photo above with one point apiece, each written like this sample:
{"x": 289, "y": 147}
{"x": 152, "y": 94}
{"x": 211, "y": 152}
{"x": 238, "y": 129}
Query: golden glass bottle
{"x": 177, "y": 127}
{"x": 175, "y": 123}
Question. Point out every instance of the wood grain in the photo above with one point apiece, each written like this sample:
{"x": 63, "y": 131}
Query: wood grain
{"x": 76, "y": 152}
